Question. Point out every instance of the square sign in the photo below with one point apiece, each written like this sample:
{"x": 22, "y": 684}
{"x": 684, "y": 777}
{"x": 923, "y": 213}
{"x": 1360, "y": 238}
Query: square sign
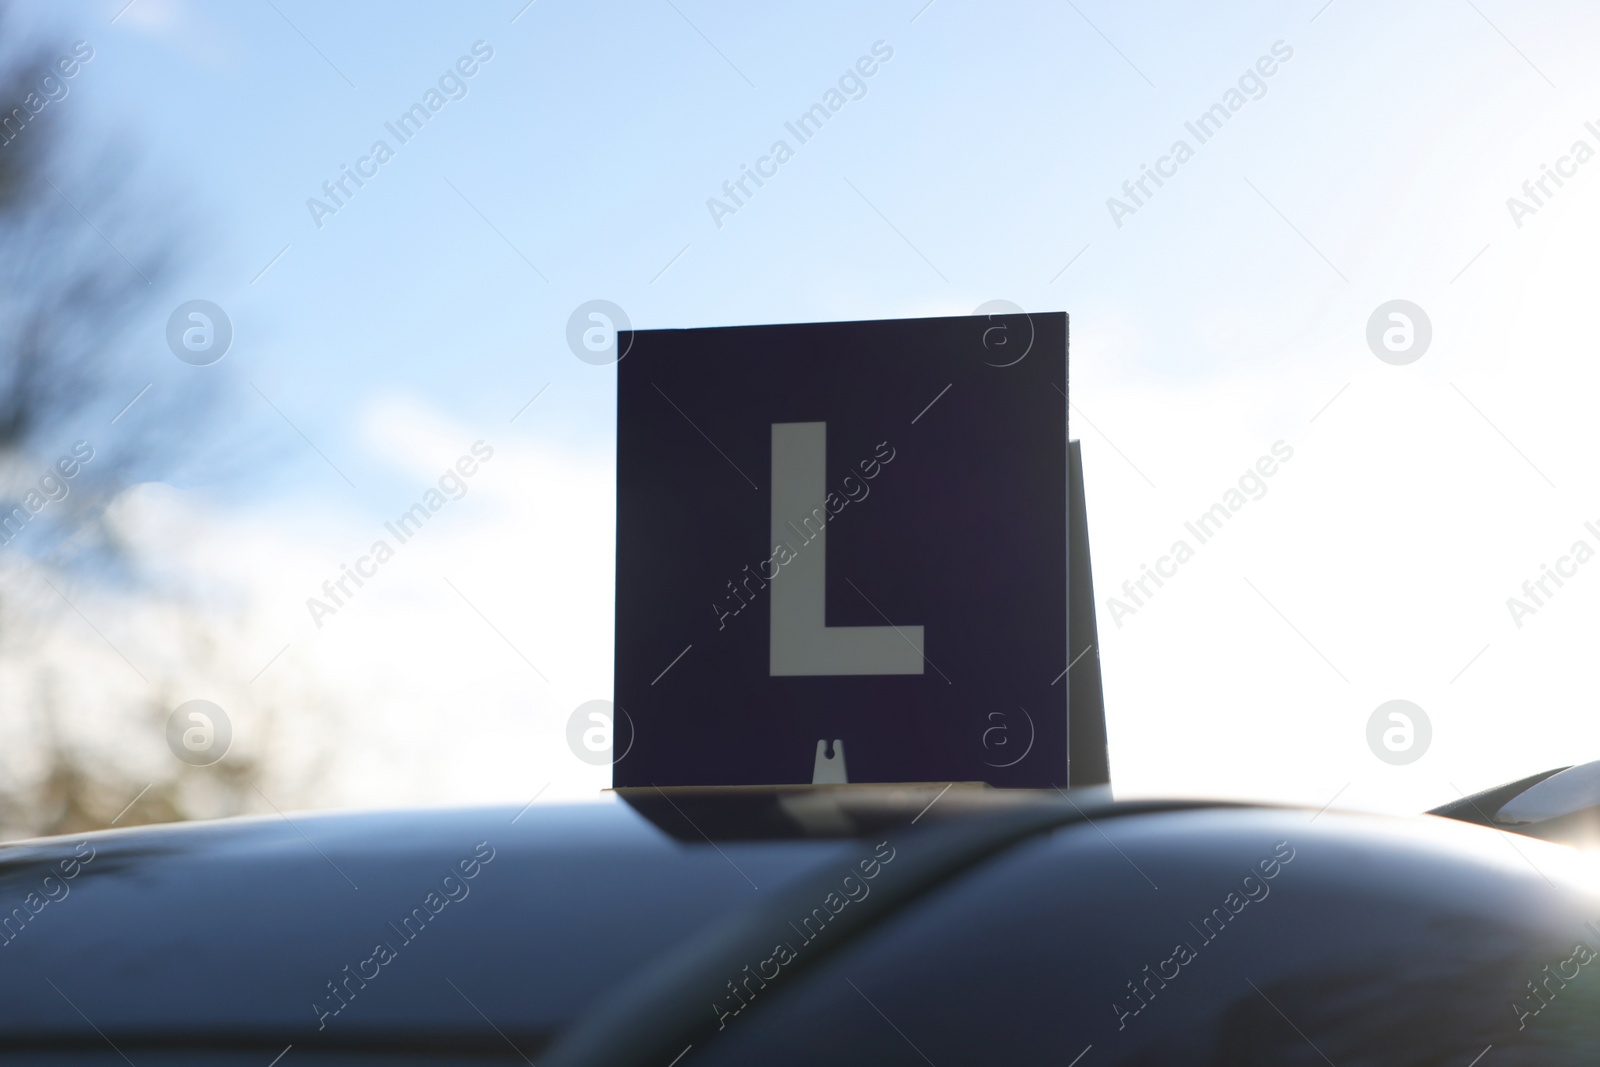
{"x": 852, "y": 533}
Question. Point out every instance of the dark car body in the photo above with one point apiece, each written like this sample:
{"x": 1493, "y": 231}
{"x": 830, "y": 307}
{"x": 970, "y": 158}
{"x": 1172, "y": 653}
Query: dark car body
{"x": 821, "y": 926}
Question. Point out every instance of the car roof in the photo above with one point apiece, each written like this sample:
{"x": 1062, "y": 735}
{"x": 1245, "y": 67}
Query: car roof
{"x": 503, "y": 925}
{"x": 244, "y": 926}
{"x": 1412, "y": 936}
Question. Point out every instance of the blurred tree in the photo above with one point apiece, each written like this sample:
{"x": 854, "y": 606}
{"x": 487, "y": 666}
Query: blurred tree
{"x": 67, "y": 292}
{"x": 83, "y": 255}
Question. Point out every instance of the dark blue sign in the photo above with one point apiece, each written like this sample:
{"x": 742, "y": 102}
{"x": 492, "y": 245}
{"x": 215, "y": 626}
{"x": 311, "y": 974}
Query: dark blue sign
{"x": 842, "y": 553}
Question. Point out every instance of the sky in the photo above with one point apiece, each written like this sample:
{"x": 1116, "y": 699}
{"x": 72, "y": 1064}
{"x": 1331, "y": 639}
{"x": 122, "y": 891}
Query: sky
{"x": 1216, "y": 317}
